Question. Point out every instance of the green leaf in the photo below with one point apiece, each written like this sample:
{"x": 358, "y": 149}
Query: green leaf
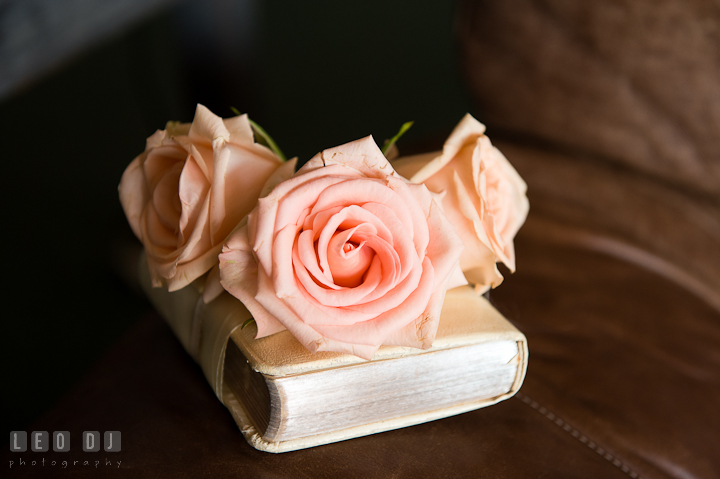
{"x": 389, "y": 143}
{"x": 262, "y": 136}
{"x": 247, "y": 323}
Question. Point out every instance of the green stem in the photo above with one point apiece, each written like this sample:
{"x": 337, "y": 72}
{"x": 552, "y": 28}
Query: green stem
{"x": 388, "y": 144}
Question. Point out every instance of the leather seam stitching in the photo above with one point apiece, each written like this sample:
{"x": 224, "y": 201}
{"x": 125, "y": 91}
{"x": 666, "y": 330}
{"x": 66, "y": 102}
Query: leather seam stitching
{"x": 612, "y": 459}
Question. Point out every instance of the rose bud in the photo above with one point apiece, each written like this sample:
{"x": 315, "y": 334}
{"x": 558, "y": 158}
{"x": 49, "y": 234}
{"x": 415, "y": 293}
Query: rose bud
{"x": 189, "y": 189}
{"x": 482, "y": 195}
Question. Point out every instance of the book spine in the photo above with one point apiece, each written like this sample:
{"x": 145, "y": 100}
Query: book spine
{"x": 203, "y": 329}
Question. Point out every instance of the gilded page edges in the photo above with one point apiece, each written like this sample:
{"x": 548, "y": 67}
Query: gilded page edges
{"x": 256, "y": 440}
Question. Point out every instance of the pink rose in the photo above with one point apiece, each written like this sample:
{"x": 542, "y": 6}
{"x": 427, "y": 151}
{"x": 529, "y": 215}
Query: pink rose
{"x": 482, "y": 195}
{"x": 189, "y": 189}
{"x": 346, "y": 255}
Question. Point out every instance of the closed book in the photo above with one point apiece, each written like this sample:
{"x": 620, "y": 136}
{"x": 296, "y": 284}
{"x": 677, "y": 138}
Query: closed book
{"x": 284, "y": 397}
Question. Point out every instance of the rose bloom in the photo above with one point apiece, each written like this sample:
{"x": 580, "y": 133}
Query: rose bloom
{"x": 482, "y": 195}
{"x": 189, "y": 189}
{"x": 346, "y": 255}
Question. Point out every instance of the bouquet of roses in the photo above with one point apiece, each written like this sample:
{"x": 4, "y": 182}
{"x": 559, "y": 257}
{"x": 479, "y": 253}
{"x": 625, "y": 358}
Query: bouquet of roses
{"x": 348, "y": 253}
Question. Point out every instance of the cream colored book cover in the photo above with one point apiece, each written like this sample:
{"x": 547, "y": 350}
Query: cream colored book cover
{"x": 285, "y": 398}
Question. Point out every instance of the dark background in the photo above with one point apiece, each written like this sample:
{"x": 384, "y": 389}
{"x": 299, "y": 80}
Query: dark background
{"x": 81, "y": 90}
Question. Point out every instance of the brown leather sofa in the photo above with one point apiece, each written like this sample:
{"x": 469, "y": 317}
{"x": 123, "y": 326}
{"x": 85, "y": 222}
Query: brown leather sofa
{"x": 611, "y": 112}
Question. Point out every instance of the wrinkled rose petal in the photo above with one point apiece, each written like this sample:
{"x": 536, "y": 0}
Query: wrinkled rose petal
{"x": 482, "y": 195}
{"x": 186, "y": 193}
{"x": 346, "y": 255}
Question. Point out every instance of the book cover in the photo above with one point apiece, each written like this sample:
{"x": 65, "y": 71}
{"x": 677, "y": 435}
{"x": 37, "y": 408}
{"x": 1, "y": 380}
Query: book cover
{"x": 284, "y": 397}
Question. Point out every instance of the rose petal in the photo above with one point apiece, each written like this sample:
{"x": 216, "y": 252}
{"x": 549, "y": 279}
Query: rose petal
{"x": 239, "y": 129}
{"x": 201, "y": 154}
{"x": 160, "y": 160}
{"x": 189, "y": 271}
{"x": 466, "y": 132}
{"x": 409, "y": 166}
{"x": 157, "y": 233}
{"x": 239, "y": 276}
{"x": 478, "y": 258}
{"x": 445, "y": 246}
{"x": 506, "y": 201}
{"x": 165, "y": 198}
{"x": 134, "y": 193}
{"x": 283, "y": 276}
{"x": 456, "y": 278}
{"x": 416, "y": 202}
{"x": 387, "y": 255}
{"x": 234, "y": 191}
{"x": 313, "y": 312}
{"x": 340, "y": 296}
{"x": 308, "y": 260}
{"x": 306, "y": 335}
{"x": 192, "y": 192}
{"x": 283, "y": 173}
{"x": 382, "y": 326}
{"x": 155, "y": 140}
{"x": 348, "y": 262}
{"x": 384, "y": 299}
{"x": 402, "y": 244}
{"x": 351, "y": 216}
{"x": 272, "y": 210}
{"x": 328, "y": 232}
{"x": 363, "y": 156}
{"x": 207, "y": 126}
{"x": 269, "y": 300}
{"x": 361, "y": 191}
{"x": 421, "y": 332}
{"x": 316, "y": 222}
{"x": 199, "y": 240}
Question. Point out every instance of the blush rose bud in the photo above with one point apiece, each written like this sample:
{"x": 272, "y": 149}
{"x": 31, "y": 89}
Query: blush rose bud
{"x": 482, "y": 195}
{"x": 189, "y": 189}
